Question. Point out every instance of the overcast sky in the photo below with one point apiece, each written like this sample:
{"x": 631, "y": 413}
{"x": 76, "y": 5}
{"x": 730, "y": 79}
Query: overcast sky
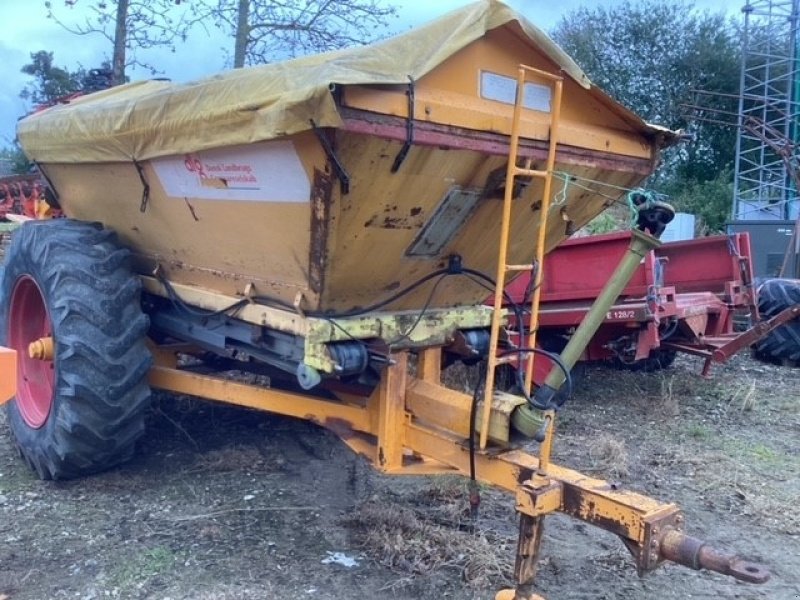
{"x": 25, "y": 29}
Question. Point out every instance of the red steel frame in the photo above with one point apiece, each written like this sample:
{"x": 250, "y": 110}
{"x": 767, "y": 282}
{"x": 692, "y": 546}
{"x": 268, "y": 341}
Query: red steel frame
{"x": 688, "y": 290}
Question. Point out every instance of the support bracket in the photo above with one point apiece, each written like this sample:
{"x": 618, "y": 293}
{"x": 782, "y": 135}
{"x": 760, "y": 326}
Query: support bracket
{"x": 401, "y": 156}
{"x": 338, "y": 167}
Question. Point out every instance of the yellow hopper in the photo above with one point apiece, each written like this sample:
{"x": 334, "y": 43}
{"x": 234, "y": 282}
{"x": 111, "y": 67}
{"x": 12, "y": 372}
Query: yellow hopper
{"x": 346, "y": 176}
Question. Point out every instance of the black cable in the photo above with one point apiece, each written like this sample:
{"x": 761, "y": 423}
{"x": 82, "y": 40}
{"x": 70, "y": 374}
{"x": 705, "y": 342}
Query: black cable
{"x": 519, "y": 315}
{"x": 670, "y": 330}
{"x": 181, "y": 304}
{"x": 558, "y": 361}
{"x": 473, "y": 412}
{"x": 382, "y": 303}
{"x": 274, "y": 302}
{"x": 422, "y": 311}
{"x": 474, "y": 489}
{"x": 268, "y": 300}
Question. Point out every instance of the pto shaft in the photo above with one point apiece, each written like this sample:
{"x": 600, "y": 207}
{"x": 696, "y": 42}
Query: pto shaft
{"x": 525, "y": 418}
{"x": 641, "y": 244}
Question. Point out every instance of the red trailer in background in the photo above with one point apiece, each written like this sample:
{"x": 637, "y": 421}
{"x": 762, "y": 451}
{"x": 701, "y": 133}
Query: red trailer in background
{"x": 682, "y": 298}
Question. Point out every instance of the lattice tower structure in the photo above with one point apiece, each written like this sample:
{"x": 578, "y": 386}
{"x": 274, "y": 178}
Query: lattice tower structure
{"x": 769, "y": 104}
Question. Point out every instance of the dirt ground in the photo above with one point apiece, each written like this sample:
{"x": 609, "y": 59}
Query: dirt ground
{"x": 228, "y": 504}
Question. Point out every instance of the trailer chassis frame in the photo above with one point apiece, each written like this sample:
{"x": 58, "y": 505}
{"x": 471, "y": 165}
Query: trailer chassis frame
{"x": 413, "y": 425}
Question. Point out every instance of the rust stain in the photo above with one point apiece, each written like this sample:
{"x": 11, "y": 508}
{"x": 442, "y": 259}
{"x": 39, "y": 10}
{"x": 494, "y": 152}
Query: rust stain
{"x": 576, "y": 504}
{"x": 191, "y": 209}
{"x": 393, "y": 217}
{"x": 321, "y": 200}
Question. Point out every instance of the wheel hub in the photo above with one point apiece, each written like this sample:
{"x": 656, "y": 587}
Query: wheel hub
{"x": 41, "y": 349}
{"x": 30, "y": 334}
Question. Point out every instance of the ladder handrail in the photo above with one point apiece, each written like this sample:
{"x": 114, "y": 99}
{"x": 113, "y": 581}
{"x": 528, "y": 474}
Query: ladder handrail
{"x": 512, "y": 172}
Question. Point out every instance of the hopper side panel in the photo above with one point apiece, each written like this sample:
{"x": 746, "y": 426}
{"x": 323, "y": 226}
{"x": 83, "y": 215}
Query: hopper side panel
{"x": 216, "y": 244}
{"x": 383, "y": 214}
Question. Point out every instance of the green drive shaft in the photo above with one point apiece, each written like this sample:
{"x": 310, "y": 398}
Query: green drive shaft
{"x": 527, "y": 419}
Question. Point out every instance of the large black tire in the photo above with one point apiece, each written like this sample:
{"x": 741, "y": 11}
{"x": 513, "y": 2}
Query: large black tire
{"x": 783, "y": 343}
{"x": 94, "y": 412}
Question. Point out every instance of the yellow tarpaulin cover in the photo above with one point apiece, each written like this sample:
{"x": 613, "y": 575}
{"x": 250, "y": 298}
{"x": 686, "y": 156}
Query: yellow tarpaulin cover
{"x": 148, "y": 119}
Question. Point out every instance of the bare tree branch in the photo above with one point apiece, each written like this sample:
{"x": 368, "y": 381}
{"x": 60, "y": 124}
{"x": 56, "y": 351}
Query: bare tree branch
{"x": 132, "y": 25}
{"x": 278, "y": 29}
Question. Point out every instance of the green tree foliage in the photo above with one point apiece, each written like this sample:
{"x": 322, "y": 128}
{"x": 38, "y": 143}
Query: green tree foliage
{"x": 653, "y": 56}
{"x": 17, "y": 159}
{"x": 709, "y": 201}
{"x": 606, "y": 222}
{"x": 49, "y": 81}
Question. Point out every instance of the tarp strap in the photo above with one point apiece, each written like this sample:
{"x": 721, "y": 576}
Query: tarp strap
{"x": 341, "y": 172}
{"x": 401, "y": 156}
{"x": 145, "y": 186}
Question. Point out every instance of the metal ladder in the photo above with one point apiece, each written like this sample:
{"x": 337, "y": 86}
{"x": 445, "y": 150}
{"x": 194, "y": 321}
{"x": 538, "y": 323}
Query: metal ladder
{"x": 503, "y": 269}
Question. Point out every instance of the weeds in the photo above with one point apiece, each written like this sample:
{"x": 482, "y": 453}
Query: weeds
{"x": 609, "y": 456}
{"x": 144, "y": 566}
{"x": 698, "y": 432}
{"x": 745, "y": 397}
{"x": 431, "y": 535}
{"x": 669, "y": 400}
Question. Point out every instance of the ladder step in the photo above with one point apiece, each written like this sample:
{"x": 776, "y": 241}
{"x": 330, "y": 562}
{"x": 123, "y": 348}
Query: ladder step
{"x": 527, "y": 267}
{"x": 530, "y": 172}
{"x": 508, "y": 358}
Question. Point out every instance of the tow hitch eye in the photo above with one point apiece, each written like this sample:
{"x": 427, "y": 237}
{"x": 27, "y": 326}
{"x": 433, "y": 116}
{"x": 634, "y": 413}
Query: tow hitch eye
{"x": 41, "y": 349}
{"x": 697, "y": 554}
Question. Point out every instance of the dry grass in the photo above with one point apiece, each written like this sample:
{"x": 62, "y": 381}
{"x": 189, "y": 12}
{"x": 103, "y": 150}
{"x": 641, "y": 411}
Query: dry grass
{"x": 609, "y": 456}
{"x": 431, "y": 533}
{"x": 669, "y": 406}
{"x": 745, "y": 396}
{"x": 461, "y": 377}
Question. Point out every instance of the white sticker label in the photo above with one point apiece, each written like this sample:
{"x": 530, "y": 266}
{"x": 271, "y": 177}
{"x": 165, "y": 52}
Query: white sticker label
{"x": 265, "y": 172}
{"x": 504, "y": 89}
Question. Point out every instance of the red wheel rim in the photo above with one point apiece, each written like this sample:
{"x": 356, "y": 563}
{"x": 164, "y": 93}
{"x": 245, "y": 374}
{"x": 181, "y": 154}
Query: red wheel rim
{"x": 28, "y": 321}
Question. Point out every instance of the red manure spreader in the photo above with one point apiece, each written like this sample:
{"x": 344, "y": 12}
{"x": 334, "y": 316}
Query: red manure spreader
{"x": 682, "y": 298}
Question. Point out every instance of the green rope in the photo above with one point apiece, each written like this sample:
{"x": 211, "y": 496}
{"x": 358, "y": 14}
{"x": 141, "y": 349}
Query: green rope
{"x": 635, "y": 205}
{"x": 561, "y": 196}
{"x": 574, "y": 178}
{"x": 650, "y": 197}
